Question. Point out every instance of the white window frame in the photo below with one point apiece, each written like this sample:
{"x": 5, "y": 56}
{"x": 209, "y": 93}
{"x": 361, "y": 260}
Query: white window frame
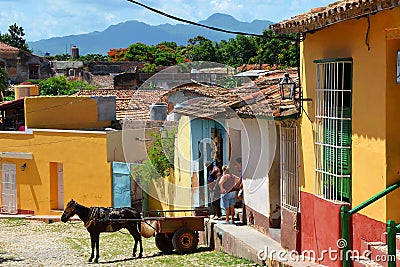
{"x": 290, "y": 166}
{"x": 332, "y": 118}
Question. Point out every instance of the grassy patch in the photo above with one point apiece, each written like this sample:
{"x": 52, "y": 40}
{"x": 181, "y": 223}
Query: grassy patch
{"x": 116, "y": 248}
{"x": 15, "y": 222}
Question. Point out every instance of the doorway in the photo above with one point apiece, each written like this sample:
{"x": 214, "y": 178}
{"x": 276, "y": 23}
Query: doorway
{"x": 9, "y": 188}
{"x": 57, "y": 185}
{"x": 60, "y": 183}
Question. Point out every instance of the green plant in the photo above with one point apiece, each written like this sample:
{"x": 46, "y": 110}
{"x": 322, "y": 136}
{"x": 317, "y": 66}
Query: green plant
{"x": 14, "y": 37}
{"x": 10, "y": 96}
{"x": 80, "y": 85}
{"x": 149, "y": 68}
{"x": 161, "y": 158}
{"x": 61, "y": 86}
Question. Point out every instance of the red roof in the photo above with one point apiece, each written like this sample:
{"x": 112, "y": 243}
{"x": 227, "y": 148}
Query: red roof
{"x": 6, "y": 47}
{"x": 131, "y": 104}
{"x": 341, "y": 10}
{"x": 259, "y": 98}
{"x": 12, "y": 103}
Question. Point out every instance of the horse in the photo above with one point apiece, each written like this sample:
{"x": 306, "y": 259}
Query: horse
{"x": 97, "y": 220}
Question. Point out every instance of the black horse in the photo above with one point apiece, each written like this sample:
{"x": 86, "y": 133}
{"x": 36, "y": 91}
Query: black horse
{"x": 99, "y": 219}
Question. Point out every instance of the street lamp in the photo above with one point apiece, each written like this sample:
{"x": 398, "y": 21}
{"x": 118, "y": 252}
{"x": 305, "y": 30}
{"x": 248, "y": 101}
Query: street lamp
{"x": 287, "y": 86}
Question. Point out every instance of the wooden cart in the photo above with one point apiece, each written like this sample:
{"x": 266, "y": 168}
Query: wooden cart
{"x": 179, "y": 233}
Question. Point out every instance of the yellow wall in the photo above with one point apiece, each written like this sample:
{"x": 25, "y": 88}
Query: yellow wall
{"x": 375, "y": 140}
{"x": 62, "y": 112}
{"x": 174, "y": 192}
{"x": 392, "y": 125}
{"x": 87, "y": 175}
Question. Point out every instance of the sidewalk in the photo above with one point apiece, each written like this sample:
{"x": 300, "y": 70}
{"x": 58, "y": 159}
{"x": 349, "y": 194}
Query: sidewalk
{"x": 246, "y": 242}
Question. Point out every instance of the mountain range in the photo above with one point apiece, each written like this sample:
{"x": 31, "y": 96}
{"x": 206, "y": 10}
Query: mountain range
{"x": 126, "y": 33}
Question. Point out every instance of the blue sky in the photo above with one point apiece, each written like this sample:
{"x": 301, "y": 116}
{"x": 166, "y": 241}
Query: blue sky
{"x": 42, "y": 19}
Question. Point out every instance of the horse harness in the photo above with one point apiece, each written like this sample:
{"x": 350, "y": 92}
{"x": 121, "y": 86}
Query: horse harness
{"x": 100, "y": 214}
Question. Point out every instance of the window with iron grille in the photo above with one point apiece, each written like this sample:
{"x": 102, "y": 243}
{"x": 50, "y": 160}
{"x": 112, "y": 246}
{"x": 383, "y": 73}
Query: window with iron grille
{"x": 290, "y": 166}
{"x": 333, "y": 129}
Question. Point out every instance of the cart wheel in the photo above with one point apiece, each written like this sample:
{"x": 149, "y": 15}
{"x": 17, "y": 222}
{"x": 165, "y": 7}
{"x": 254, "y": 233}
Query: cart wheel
{"x": 185, "y": 240}
{"x": 164, "y": 243}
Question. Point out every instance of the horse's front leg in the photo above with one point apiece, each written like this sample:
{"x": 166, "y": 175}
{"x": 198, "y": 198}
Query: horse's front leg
{"x": 92, "y": 240}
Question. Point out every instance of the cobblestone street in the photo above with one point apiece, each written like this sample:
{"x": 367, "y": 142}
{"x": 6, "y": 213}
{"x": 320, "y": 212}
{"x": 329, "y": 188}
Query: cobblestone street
{"x": 34, "y": 243}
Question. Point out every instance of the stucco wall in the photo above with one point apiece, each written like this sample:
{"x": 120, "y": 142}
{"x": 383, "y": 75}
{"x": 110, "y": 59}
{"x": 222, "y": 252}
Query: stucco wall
{"x": 67, "y": 112}
{"x": 174, "y": 192}
{"x": 375, "y": 155}
{"x": 129, "y": 145}
{"x": 258, "y": 144}
{"x": 87, "y": 174}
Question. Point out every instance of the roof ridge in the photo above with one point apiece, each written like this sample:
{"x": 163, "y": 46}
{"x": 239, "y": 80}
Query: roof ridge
{"x": 4, "y": 46}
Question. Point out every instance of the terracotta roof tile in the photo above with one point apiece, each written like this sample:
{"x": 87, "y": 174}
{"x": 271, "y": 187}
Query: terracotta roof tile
{"x": 103, "y": 81}
{"x": 341, "y": 10}
{"x": 131, "y": 104}
{"x": 6, "y": 47}
{"x": 261, "y": 98}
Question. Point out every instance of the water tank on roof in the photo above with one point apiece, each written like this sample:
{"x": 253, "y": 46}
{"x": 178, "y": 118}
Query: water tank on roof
{"x": 74, "y": 52}
{"x": 23, "y": 90}
{"x": 158, "y": 112}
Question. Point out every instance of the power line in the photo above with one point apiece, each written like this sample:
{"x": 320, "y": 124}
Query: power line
{"x": 284, "y": 37}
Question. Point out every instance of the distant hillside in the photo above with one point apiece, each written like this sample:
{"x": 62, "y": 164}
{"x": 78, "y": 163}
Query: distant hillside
{"x": 124, "y": 34}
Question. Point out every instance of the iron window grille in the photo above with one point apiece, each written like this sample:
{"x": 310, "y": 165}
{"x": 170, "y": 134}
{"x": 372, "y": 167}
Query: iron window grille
{"x": 333, "y": 129}
{"x": 290, "y": 167}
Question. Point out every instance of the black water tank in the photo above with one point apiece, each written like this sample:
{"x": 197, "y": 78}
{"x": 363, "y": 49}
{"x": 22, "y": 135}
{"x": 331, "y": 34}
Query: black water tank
{"x": 158, "y": 111}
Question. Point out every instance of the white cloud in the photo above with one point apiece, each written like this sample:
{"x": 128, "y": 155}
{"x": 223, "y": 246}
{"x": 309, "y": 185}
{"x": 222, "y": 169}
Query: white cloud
{"x": 48, "y": 18}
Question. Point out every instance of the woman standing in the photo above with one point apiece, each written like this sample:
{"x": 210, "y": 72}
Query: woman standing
{"x": 212, "y": 180}
{"x": 228, "y": 193}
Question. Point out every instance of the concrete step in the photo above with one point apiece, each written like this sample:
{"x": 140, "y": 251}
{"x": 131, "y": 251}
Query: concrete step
{"x": 365, "y": 262}
{"x": 379, "y": 253}
{"x": 398, "y": 241}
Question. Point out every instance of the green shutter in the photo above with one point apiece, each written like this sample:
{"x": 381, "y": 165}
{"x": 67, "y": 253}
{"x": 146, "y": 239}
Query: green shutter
{"x": 337, "y": 161}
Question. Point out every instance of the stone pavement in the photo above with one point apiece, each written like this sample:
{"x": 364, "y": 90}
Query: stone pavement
{"x": 239, "y": 240}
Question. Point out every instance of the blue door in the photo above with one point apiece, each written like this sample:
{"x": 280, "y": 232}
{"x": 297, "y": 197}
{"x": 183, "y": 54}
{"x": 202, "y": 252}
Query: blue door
{"x": 121, "y": 184}
{"x": 208, "y": 149}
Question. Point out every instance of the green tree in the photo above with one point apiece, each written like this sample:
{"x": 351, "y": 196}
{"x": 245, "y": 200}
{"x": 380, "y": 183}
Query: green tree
{"x": 3, "y": 83}
{"x": 59, "y": 85}
{"x": 202, "y": 49}
{"x": 276, "y": 51}
{"x": 149, "y": 68}
{"x": 93, "y": 57}
{"x": 139, "y": 52}
{"x": 15, "y": 37}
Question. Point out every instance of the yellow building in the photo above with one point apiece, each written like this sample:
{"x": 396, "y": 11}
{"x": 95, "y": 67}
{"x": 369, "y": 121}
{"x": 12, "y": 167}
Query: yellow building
{"x": 350, "y": 143}
{"x": 53, "y": 149}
